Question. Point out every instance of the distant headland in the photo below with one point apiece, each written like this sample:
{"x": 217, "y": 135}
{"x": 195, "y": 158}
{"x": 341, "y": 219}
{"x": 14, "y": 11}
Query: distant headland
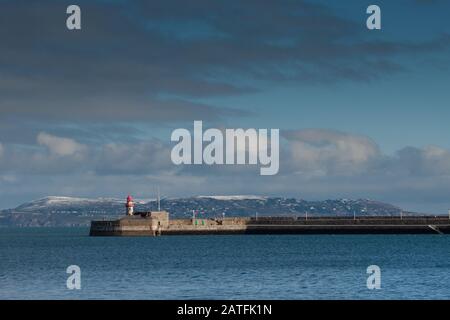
{"x": 56, "y": 211}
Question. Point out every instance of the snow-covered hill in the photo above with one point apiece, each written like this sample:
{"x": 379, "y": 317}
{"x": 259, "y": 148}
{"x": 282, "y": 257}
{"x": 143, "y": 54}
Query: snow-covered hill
{"x": 68, "y": 211}
{"x": 70, "y": 202}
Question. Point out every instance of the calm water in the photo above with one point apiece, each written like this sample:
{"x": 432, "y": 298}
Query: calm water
{"x": 33, "y": 265}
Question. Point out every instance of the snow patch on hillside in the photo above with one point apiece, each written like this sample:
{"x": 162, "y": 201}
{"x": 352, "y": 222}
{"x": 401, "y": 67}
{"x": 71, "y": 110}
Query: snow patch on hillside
{"x": 235, "y": 197}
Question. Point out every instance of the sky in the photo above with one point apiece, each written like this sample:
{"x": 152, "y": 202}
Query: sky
{"x": 362, "y": 113}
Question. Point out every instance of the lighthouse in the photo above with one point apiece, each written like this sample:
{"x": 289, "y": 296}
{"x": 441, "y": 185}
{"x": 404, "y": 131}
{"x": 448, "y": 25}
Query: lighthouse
{"x": 129, "y": 205}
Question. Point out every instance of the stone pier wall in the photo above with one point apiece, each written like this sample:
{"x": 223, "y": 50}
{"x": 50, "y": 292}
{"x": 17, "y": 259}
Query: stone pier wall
{"x": 153, "y": 225}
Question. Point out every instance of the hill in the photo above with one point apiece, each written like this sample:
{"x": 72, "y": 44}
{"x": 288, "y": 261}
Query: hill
{"x": 68, "y": 211}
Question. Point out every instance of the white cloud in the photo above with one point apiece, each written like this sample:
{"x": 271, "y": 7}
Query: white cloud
{"x": 330, "y": 152}
{"x": 60, "y": 146}
{"x": 315, "y": 164}
{"x": 8, "y": 178}
{"x": 426, "y": 161}
{"x": 135, "y": 158}
{"x": 1, "y": 150}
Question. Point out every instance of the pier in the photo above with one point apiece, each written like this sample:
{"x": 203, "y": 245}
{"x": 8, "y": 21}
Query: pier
{"x": 159, "y": 224}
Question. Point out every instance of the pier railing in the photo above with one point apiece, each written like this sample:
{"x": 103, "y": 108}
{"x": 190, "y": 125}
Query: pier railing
{"x": 418, "y": 219}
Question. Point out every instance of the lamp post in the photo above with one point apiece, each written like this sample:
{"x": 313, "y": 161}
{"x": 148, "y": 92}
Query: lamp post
{"x": 159, "y": 200}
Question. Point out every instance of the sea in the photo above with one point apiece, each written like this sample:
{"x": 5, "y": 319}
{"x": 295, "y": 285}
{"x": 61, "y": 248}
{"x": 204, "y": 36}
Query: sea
{"x": 34, "y": 264}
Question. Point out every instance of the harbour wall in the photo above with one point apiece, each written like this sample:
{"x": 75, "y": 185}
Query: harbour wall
{"x": 272, "y": 225}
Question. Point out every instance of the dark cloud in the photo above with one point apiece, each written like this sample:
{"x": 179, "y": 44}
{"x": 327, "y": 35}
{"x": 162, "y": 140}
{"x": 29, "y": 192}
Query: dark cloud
{"x": 150, "y": 61}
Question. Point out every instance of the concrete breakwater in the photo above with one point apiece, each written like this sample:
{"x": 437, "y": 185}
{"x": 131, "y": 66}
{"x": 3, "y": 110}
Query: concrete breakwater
{"x": 158, "y": 223}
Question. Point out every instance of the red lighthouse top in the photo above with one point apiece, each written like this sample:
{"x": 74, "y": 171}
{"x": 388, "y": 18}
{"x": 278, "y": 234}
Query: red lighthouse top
{"x": 129, "y": 203}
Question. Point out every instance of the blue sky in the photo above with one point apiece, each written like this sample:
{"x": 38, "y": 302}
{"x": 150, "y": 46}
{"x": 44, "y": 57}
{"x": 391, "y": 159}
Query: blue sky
{"x": 362, "y": 113}
{"x": 395, "y": 112}
{"x": 409, "y": 108}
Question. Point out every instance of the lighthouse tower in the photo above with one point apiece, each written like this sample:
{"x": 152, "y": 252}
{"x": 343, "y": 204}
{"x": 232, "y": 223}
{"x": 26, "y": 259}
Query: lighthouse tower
{"x": 129, "y": 205}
